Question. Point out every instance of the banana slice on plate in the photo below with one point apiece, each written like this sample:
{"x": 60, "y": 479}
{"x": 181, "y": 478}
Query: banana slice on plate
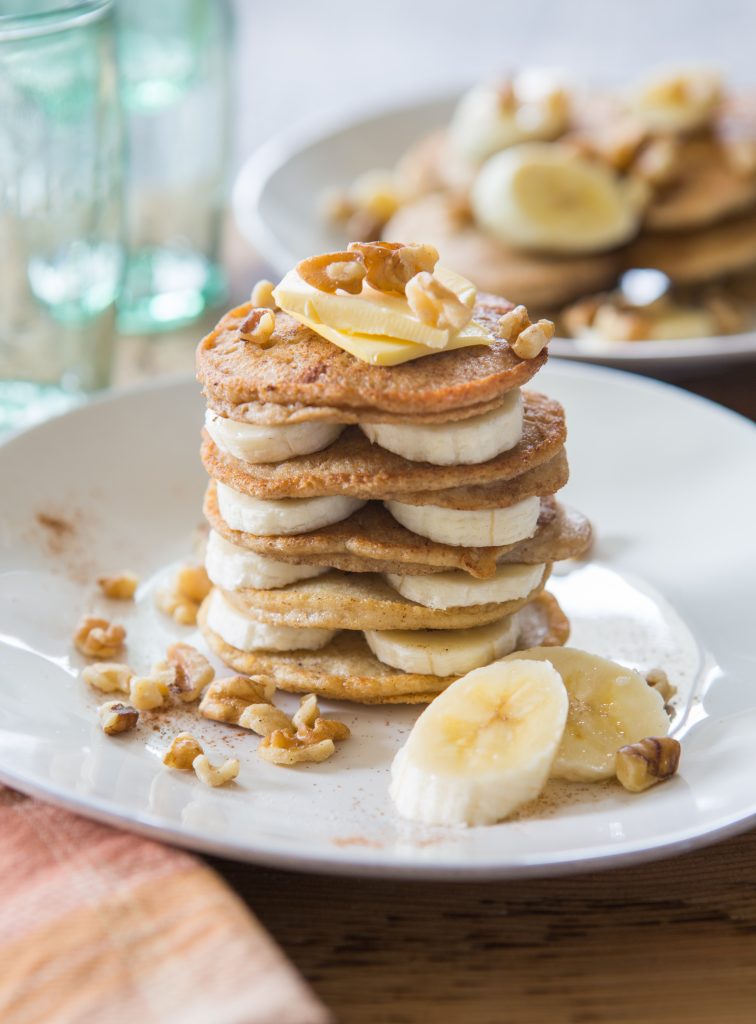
{"x": 457, "y": 589}
{"x": 610, "y": 707}
{"x": 283, "y": 515}
{"x": 545, "y": 197}
{"x": 233, "y": 568}
{"x": 464, "y": 443}
{"x": 240, "y": 631}
{"x": 677, "y": 100}
{"x": 443, "y": 652}
{"x": 483, "y": 747}
{"x": 477, "y": 528}
{"x": 251, "y": 442}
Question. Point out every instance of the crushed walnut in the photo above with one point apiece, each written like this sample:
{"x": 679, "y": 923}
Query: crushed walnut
{"x": 391, "y": 265}
{"x": 263, "y": 719}
{"x": 435, "y": 304}
{"x": 108, "y": 676}
{"x": 116, "y": 717}
{"x": 182, "y": 752}
{"x": 527, "y": 340}
{"x": 307, "y": 738}
{"x": 659, "y": 162}
{"x": 262, "y": 295}
{"x": 643, "y": 764}
{"x": 658, "y": 680}
{"x": 191, "y": 671}
{"x": 121, "y": 587}
{"x": 184, "y": 594}
{"x": 226, "y": 699}
{"x": 98, "y": 638}
{"x": 212, "y": 776}
{"x": 150, "y": 692}
{"x": 258, "y": 326}
{"x": 331, "y": 271}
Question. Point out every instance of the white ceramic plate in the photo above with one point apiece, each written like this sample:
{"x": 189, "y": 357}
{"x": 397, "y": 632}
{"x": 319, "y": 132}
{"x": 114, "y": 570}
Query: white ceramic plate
{"x": 668, "y": 480}
{"x": 277, "y": 201}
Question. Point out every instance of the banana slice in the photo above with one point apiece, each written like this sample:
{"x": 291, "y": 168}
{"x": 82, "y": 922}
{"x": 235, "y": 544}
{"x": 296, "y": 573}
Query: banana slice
{"x": 443, "y": 652}
{"x": 252, "y": 443}
{"x": 282, "y": 516}
{"x": 464, "y": 443}
{"x": 677, "y": 100}
{"x": 545, "y": 197}
{"x": 240, "y": 631}
{"x": 478, "y": 528}
{"x": 483, "y": 747}
{"x": 457, "y": 589}
{"x": 610, "y": 706}
{"x": 370, "y": 312}
{"x": 233, "y": 568}
{"x": 496, "y": 115}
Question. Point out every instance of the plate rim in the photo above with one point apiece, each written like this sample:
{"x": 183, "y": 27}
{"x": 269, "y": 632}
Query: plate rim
{"x": 260, "y": 167}
{"x": 366, "y": 863}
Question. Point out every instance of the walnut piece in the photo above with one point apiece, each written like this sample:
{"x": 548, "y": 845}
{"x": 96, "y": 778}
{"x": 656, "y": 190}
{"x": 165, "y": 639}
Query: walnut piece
{"x": 108, "y": 676}
{"x": 192, "y": 671}
{"x": 116, "y": 717}
{"x": 643, "y": 764}
{"x": 149, "y": 692}
{"x": 262, "y": 295}
{"x": 527, "y": 340}
{"x": 226, "y": 699}
{"x": 659, "y": 162}
{"x": 284, "y": 747}
{"x": 658, "y": 679}
{"x": 98, "y": 638}
{"x": 121, "y": 587}
{"x": 258, "y": 326}
{"x": 307, "y": 712}
{"x": 185, "y": 593}
{"x": 435, "y": 304}
{"x": 263, "y": 719}
{"x": 331, "y": 271}
{"x": 212, "y": 776}
{"x": 391, "y": 265}
{"x": 182, "y": 752}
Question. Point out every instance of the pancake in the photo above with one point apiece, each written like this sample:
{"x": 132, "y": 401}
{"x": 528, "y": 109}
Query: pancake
{"x": 709, "y": 189}
{"x": 346, "y": 668}
{"x": 300, "y": 368}
{"x": 696, "y": 257}
{"x": 341, "y": 600}
{"x": 539, "y": 281}
{"x": 355, "y": 467}
{"x": 371, "y": 540}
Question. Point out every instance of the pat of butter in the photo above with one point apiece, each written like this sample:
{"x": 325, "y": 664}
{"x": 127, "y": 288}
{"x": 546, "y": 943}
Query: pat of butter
{"x": 380, "y": 350}
{"x": 386, "y": 317}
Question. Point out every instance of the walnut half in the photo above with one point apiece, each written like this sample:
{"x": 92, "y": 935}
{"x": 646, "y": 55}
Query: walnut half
{"x": 116, "y": 717}
{"x": 182, "y": 752}
{"x": 643, "y": 764}
{"x": 98, "y": 638}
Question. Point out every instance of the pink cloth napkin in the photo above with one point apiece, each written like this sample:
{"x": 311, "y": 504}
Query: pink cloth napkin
{"x": 101, "y": 927}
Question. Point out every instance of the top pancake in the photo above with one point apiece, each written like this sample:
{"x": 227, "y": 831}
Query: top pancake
{"x": 302, "y": 370}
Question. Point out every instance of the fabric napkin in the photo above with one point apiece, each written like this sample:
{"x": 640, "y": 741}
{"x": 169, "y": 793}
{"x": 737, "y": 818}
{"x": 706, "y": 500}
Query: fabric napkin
{"x": 101, "y": 927}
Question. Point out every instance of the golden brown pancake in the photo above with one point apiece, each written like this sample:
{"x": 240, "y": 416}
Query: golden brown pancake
{"x": 353, "y": 466}
{"x": 371, "y": 540}
{"x": 340, "y": 600}
{"x": 346, "y": 668}
{"x": 696, "y": 257}
{"x": 539, "y": 281}
{"x": 299, "y": 368}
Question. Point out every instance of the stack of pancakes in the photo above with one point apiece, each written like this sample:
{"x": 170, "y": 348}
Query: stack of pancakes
{"x": 308, "y": 554}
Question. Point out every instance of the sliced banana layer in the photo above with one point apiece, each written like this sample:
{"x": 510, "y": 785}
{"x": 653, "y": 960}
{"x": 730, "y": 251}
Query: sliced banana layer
{"x": 544, "y": 197}
{"x": 237, "y": 629}
{"x": 443, "y": 652}
{"x": 282, "y": 516}
{"x": 252, "y": 443}
{"x": 486, "y": 527}
{"x": 610, "y": 706}
{"x": 457, "y": 589}
{"x": 463, "y": 443}
{"x": 483, "y": 747}
{"x": 233, "y": 568}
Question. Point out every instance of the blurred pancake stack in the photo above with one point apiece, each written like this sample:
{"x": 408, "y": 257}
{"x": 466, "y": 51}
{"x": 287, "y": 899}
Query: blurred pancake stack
{"x": 382, "y": 495}
{"x": 625, "y": 216}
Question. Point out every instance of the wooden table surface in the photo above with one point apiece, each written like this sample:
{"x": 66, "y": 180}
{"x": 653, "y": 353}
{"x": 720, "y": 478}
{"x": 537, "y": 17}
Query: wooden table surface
{"x": 672, "y": 942}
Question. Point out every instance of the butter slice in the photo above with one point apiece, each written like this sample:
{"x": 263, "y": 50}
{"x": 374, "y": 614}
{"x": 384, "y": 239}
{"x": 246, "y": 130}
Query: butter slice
{"x": 380, "y": 350}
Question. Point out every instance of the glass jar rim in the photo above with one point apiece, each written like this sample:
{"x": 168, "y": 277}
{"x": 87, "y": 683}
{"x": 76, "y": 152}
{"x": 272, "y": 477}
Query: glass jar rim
{"x": 55, "y": 18}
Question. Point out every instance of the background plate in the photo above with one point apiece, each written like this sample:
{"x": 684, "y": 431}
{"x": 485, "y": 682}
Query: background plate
{"x": 667, "y": 479}
{"x": 277, "y": 200}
